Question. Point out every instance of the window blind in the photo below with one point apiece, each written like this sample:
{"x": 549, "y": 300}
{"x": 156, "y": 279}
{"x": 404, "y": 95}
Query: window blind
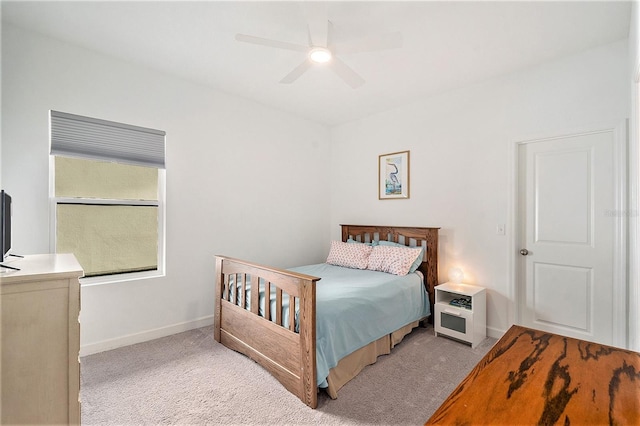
{"x": 85, "y": 137}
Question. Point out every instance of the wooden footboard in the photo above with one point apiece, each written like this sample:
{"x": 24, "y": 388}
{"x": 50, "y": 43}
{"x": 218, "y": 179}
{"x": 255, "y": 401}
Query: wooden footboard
{"x": 289, "y": 355}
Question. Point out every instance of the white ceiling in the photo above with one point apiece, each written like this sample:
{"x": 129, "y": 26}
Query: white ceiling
{"x": 447, "y": 44}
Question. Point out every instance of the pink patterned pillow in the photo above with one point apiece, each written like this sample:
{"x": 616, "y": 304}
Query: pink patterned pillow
{"x": 394, "y": 260}
{"x": 354, "y": 256}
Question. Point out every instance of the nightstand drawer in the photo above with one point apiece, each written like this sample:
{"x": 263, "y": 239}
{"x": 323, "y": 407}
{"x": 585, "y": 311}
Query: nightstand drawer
{"x": 454, "y": 322}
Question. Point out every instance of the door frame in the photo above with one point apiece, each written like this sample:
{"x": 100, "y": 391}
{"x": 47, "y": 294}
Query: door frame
{"x": 515, "y": 269}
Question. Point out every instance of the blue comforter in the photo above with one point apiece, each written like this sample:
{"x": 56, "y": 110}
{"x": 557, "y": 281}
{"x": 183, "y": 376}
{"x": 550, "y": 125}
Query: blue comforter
{"x": 356, "y": 307}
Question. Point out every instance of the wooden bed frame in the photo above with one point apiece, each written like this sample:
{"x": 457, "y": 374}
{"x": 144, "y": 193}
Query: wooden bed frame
{"x": 290, "y": 355}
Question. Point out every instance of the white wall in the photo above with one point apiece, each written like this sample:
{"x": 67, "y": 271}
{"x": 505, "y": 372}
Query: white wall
{"x": 460, "y": 145}
{"x": 299, "y": 180}
{"x": 242, "y": 179}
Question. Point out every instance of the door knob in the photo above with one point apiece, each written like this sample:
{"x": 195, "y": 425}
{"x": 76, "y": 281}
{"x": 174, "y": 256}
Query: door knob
{"x": 524, "y": 252}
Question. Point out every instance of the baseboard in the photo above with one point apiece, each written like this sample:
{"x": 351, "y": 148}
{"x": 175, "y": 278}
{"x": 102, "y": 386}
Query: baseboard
{"x": 494, "y": 332}
{"x": 131, "y": 339}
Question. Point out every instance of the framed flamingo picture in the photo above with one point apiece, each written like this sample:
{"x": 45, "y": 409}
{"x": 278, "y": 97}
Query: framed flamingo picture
{"x": 393, "y": 175}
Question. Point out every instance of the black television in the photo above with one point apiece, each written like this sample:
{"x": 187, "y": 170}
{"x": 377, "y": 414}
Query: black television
{"x": 5, "y": 223}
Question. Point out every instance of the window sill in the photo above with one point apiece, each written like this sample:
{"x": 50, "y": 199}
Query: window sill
{"x": 119, "y": 278}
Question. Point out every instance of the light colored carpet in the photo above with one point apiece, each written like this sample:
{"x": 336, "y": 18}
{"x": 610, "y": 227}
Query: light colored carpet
{"x": 190, "y": 379}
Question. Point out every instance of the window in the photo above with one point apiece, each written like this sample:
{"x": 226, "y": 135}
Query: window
{"x": 108, "y": 196}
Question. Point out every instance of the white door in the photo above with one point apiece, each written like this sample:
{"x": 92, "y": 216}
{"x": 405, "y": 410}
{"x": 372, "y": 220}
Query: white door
{"x": 567, "y": 217}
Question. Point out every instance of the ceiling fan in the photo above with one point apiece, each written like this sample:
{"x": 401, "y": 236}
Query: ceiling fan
{"x": 321, "y": 50}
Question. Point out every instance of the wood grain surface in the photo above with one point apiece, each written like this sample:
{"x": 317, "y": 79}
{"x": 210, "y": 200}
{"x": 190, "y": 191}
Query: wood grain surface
{"x": 535, "y": 377}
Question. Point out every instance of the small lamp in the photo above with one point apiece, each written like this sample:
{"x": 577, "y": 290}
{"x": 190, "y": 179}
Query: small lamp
{"x": 456, "y": 275}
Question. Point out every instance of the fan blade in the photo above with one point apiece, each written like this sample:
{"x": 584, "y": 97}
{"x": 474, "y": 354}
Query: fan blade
{"x": 349, "y": 76}
{"x": 330, "y": 36}
{"x": 297, "y": 72}
{"x": 317, "y": 17}
{"x": 371, "y": 44}
{"x": 271, "y": 43}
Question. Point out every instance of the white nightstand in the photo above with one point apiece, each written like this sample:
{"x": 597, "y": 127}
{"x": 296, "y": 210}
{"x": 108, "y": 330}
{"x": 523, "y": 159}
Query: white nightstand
{"x": 465, "y": 323}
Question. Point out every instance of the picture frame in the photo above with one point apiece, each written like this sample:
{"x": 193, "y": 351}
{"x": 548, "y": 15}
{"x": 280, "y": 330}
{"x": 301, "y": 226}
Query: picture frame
{"x": 393, "y": 175}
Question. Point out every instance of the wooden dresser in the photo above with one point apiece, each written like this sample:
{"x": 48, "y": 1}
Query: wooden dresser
{"x": 40, "y": 368}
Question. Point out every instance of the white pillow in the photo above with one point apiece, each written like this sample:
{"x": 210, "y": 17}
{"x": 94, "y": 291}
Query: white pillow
{"x": 354, "y": 256}
{"x": 394, "y": 260}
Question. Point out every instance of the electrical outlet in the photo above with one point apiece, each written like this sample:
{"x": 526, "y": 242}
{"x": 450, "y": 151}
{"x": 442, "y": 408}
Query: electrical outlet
{"x": 500, "y": 229}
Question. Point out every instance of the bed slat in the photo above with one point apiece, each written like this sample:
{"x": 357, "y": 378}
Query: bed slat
{"x": 292, "y": 313}
{"x": 267, "y": 306}
{"x": 278, "y": 306}
{"x": 255, "y": 296}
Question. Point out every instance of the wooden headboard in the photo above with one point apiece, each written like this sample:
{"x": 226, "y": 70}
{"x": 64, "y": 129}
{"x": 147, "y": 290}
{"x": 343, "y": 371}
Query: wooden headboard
{"x": 409, "y": 236}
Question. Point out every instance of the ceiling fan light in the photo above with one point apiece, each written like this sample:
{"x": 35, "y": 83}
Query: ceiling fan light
{"x": 320, "y": 55}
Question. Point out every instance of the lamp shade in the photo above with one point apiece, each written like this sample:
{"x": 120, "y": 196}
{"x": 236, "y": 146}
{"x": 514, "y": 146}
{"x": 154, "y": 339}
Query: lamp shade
{"x": 456, "y": 275}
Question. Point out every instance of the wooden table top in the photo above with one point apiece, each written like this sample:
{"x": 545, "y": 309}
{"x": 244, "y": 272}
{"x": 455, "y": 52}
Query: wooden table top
{"x": 535, "y": 377}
